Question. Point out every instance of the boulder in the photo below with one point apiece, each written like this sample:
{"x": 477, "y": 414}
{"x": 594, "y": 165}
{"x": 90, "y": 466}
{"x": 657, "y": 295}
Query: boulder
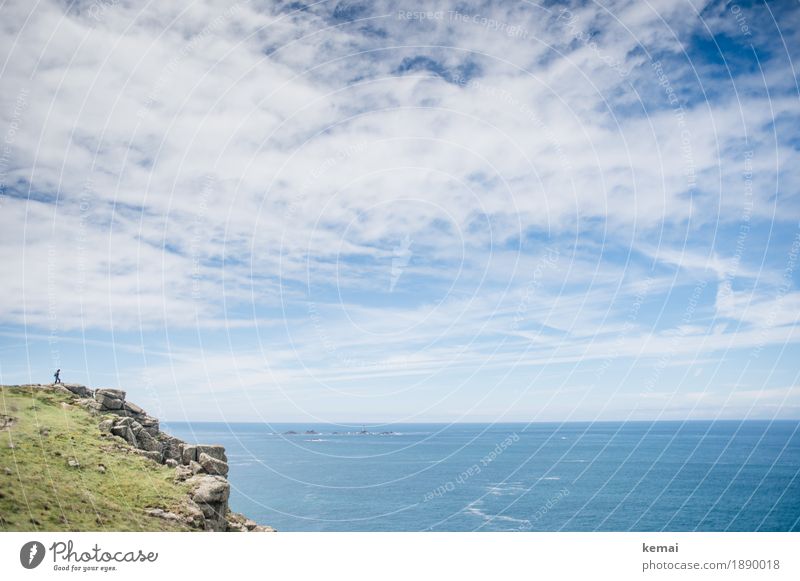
{"x": 171, "y": 462}
{"x": 91, "y": 405}
{"x": 108, "y": 402}
{"x": 182, "y": 473}
{"x": 114, "y": 393}
{"x": 192, "y": 515}
{"x": 212, "y": 465}
{"x": 106, "y": 425}
{"x": 149, "y": 424}
{"x": 209, "y": 489}
{"x": 79, "y": 390}
{"x": 133, "y": 408}
{"x": 189, "y": 455}
{"x": 148, "y": 442}
{"x": 173, "y": 447}
{"x": 125, "y": 432}
{"x": 154, "y": 456}
{"x": 216, "y": 451}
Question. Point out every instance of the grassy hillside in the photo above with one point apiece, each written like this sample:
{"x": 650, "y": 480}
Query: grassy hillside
{"x": 58, "y": 472}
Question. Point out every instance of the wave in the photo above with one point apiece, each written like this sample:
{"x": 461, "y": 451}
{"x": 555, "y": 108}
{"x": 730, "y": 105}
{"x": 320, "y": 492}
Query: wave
{"x": 472, "y": 508}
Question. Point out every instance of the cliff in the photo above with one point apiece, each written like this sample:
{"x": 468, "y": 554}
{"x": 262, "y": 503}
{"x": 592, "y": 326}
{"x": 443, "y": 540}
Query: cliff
{"x": 78, "y": 459}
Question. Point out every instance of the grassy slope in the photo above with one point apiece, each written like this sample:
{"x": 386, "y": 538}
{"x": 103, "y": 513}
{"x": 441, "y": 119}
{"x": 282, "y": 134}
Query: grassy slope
{"x": 43, "y": 492}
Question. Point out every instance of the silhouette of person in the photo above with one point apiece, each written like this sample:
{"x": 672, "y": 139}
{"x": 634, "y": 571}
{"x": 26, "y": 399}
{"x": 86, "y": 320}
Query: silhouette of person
{"x": 57, "y": 375}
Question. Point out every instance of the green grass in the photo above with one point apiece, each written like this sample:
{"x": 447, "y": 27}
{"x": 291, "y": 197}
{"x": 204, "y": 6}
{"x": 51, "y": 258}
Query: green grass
{"x": 39, "y": 491}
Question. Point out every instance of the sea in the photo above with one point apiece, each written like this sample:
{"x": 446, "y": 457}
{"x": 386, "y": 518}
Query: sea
{"x": 598, "y": 476}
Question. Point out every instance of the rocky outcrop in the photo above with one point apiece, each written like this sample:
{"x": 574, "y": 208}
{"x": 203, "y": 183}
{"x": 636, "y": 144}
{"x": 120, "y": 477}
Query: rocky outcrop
{"x": 79, "y": 390}
{"x": 203, "y": 468}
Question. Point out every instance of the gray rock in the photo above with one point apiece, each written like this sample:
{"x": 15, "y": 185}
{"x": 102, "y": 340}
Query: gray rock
{"x": 133, "y": 408}
{"x": 61, "y": 389}
{"x": 108, "y": 403}
{"x": 215, "y": 451}
{"x": 193, "y": 516}
{"x": 189, "y": 455}
{"x": 154, "y": 456}
{"x": 196, "y": 467}
{"x": 125, "y": 432}
{"x": 171, "y": 462}
{"x": 124, "y": 422}
{"x": 148, "y": 442}
{"x": 79, "y": 390}
{"x": 173, "y": 447}
{"x": 73, "y": 463}
{"x": 182, "y": 473}
{"x": 212, "y": 465}
{"x": 92, "y": 405}
{"x": 115, "y": 393}
{"x": 208, "y": 489}
{"x": 161, "y": 513}
{"x": 106, "y": 425}
{"x": 149, "y": 424}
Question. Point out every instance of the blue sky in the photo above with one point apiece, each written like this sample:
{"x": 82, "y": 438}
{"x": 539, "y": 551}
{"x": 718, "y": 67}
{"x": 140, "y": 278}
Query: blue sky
{"x": 347, "y": 211}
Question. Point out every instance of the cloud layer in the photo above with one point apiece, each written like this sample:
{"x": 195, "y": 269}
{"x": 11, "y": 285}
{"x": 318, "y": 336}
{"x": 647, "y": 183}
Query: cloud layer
{"x": 372, "y": 203}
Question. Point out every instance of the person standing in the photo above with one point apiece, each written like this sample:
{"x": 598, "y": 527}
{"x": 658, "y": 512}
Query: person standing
{"x": 57, "y": 375}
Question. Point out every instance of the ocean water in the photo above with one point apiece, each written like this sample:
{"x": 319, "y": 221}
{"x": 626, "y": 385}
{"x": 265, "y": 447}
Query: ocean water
{"x": 641, "y": 476}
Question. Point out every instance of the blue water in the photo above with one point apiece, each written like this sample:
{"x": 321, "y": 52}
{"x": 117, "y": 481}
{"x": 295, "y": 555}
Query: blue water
{"x": 645, "y": 476}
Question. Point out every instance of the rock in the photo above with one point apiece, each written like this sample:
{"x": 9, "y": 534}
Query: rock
{"x": 101, "y": 468}
{"x": 92, "y": 405}
{"x": 171, "y": 462}
{"x": 148, "y": 442}
{"x": 61, "y": 389}
{"x": 106, "y": 425}
{"x": 126, "y": 434}
{"x": 79, "y": 390}
{"x": 210, "y": 493}
{"x": 149, "y": 424}
{"x": 115, "y": 393}
{"x": 8, "y": 471}
{"x": 172, "y": 447}
{"x": 182, "y": 473}
{"x": 208, "y": 489}
{"x": 161, "y": 513}
{"x": 195, "y": 467}
{"x": 193, "y": 516}
{"x": 44, "y": 431}
{"x": 212, "y": 465}
{"x": 189, "y": 454}
{"x": 108, "y": 403}
{"x": 154, "y": 456}
{"x": 240, "y": 523}
{"x": 73, "y": 463}
{"x": 133, "y": 408}
{"x": 215, "y": 451}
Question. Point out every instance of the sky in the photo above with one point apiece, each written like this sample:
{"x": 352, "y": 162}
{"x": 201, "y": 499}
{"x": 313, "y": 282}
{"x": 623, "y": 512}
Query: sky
{"x": 384, "y": 212}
